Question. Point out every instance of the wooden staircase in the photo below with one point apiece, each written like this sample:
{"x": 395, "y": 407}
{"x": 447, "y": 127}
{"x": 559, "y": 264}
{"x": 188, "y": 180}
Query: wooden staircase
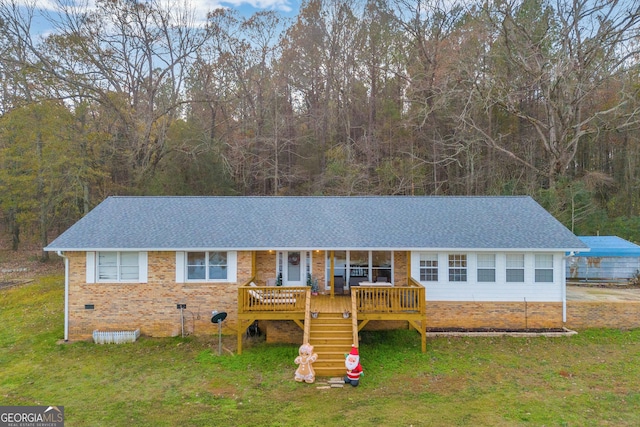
{"x": 331, "y": 336}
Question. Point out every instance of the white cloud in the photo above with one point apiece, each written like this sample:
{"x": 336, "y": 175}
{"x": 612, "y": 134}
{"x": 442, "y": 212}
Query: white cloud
{"x": 49, "y": 9}
{"x": 281, "y": 5}
{"x": 201, "y": 7}
{"x": 38, "y": 4}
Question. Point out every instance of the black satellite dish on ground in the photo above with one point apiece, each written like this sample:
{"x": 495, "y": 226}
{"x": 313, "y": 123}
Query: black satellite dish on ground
{"x": 218, "y": 317}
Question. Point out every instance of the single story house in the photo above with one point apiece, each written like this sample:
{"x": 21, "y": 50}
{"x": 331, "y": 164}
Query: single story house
{"x": 163, "y": 264}
{"x": 610, "y": 259}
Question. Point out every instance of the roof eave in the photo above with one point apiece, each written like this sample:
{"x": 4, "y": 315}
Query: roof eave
{"x": 306, "y": 248}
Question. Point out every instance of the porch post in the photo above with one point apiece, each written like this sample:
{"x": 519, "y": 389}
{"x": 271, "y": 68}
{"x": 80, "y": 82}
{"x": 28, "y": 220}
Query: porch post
{"x": 253, "y": 265}
{"x": 331, "y": 274}
{"x": 241, "y": 307}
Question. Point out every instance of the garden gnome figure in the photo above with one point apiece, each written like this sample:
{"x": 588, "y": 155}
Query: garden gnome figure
{"x": 304, "y": 361}
{"x": 354, "y": 369}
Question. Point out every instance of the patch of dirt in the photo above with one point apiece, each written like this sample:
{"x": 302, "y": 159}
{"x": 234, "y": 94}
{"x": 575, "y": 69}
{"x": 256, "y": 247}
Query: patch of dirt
{"x": 628, "y": 284}
{"x": 222, "y": 390}
{"x": 11, "y": 283}
{"x": 601, "y": 293}
{"x": 21, "y": 266}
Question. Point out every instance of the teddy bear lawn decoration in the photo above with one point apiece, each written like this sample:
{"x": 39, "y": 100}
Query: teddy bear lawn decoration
{"x": 304, "y": 361}
{"x": 354, "y": 369}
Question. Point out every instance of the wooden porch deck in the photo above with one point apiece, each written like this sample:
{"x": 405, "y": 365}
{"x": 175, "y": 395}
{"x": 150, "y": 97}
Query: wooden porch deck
{"x": 405, "y": 303}
{"x": 326, "y": 304}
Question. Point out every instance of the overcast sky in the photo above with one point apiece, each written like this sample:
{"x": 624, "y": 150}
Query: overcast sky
{"x": 200, "y": 7}
{"x": 286, "y": 6}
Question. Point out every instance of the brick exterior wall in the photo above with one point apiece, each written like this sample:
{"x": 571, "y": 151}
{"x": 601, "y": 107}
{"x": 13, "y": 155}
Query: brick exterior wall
{"x": 265, "y": 267}
{"x": 318, "y": 270}
{"x": 400, "y": 268}
{"x": 151, "y": 306}
{"x": 496, "y": 315}
{"x": 603, "y": 314}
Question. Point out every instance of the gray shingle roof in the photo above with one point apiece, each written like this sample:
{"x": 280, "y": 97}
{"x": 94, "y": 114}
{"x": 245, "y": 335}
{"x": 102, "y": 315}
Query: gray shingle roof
{"x": 386, "y": 222}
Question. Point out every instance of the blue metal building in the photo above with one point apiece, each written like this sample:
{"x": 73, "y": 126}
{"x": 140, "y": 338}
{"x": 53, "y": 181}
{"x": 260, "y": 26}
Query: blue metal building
{"x": 610, "y": 259}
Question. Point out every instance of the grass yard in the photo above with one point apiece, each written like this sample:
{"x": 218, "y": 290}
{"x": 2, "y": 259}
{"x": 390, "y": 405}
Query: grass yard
{"x": 591, "y": 379}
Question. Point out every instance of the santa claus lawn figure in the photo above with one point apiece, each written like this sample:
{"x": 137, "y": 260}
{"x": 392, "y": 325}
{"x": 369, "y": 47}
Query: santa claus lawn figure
{"x": 354, "y": 369}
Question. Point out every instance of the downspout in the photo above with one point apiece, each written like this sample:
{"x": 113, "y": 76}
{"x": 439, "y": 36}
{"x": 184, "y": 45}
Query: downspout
{"x": 563, "y": 275}
{"x": 66, "y": 295}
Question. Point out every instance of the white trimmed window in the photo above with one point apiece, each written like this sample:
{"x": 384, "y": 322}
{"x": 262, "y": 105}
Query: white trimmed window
{"x": 111, "y": 266}
{"x": 457, "y": 268}
{"x": 207, "y": 266}
{"x": 515, "y": 268}
{"x": 544, "y": 268}
{"x": 381, "y": 266}
{"x": 361, "y": 266}
{"x": 486, "y": 267}
{"x": 428, "y": 267}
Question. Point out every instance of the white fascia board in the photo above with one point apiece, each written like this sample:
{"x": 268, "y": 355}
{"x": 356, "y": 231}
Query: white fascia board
{"x": 107, "y": 250}
{"x": 546, "y": 250}
{"x": 350, "y": 248}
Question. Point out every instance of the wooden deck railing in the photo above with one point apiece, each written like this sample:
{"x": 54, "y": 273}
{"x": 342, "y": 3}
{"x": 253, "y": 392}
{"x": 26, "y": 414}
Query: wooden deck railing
{"x": 272, "y": 299}
{"x": 396, "y": 299}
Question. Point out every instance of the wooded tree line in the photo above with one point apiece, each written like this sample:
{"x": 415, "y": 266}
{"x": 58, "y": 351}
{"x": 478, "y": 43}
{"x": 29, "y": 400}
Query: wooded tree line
{"x": 349, "y": 97}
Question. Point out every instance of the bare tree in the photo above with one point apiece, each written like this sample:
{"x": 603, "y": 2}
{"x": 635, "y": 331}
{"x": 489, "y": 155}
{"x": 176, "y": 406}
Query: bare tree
{"x": 546, "y": 68}
{"x": 431, "y": 56}
{"x": 128, "y": 57}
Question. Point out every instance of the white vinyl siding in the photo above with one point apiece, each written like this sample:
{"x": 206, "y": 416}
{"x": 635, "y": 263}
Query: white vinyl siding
{"x": 474, "y": 289}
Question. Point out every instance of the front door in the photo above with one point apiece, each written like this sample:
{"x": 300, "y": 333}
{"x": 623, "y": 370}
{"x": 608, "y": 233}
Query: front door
{"x": 294, "y": 269}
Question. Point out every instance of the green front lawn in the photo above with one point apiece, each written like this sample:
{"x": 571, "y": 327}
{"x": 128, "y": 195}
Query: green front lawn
{"x": 591, "y": 379}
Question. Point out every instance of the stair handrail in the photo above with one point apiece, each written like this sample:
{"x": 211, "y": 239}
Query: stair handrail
{"x": 307, "y": 318}
{"x": 354, "y": 319}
